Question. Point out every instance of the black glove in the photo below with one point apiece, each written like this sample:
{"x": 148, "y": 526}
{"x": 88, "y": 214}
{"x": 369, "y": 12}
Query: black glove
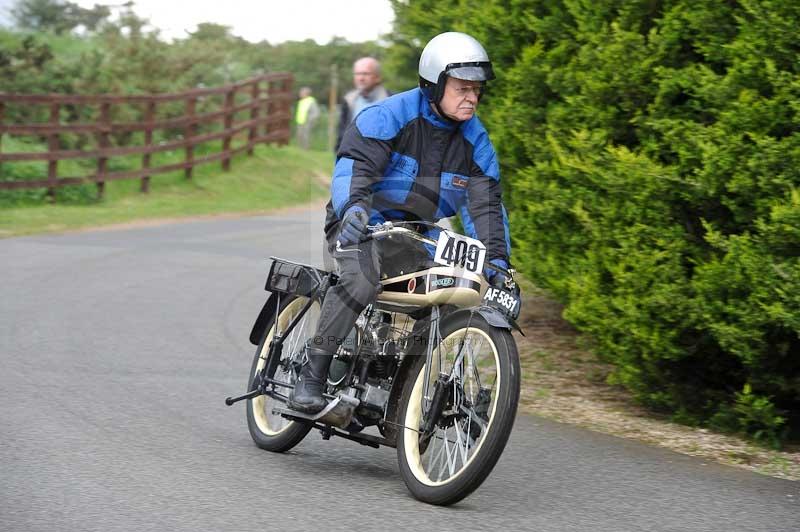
{"x": 353, "y": 227}
{"x": 494, "y": 277}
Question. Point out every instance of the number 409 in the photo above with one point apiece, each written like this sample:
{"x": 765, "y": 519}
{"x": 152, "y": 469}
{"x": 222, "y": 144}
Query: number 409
{"x": 461, "y": 254}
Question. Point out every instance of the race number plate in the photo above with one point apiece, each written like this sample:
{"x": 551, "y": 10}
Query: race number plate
{"x": 506, "y": 302}
{"x": 460, "y": 251}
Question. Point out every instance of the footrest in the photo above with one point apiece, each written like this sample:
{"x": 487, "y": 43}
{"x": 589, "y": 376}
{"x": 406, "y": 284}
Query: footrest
{"x": 338, "y": 412}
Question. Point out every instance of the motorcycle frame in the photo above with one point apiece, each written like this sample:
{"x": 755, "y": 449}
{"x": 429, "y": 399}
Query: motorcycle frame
{"x": 433, "y": 402}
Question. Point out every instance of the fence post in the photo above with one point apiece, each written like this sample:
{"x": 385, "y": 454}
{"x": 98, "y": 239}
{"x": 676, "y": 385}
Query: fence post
{"x": 102, "y": 161}
{"x": 149, "y": 116}
{"x": 286, "y": 107}
{"x": 191, "y": 127}
{"x": 2, "y": 114}
{"x": 254, "y": 112}
{"x": 266, "y": 105}
{"x": 227, "y": 124}
{"x": 53, "y": 145}
{"x": 269, "y": 108}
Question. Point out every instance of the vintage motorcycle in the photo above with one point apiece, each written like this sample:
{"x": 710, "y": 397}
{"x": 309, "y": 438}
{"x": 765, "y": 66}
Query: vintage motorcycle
{"x": 431, "y": 364}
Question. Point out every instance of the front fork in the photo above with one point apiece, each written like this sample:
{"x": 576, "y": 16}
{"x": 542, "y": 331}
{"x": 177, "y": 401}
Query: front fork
{"x": 434, "y": 404}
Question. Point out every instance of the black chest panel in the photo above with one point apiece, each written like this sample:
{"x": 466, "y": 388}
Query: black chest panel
{"x": 436, "y": 150}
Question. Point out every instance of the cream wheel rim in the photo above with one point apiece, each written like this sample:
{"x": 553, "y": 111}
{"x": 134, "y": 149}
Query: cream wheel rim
{"x": 451, "y": 450}
{"x": 268, "y": 422}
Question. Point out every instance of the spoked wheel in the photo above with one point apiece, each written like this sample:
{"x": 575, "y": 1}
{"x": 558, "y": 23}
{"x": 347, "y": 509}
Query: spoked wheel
{"x": 477, "y": 412}
{"x": 271, "y": 431}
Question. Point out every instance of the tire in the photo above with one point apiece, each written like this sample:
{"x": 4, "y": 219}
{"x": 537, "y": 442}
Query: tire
{"x": 426, "y": 468}
{"x": 271, "y": 431}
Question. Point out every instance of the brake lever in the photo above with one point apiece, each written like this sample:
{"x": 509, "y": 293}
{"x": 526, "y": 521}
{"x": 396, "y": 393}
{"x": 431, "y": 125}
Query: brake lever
{"x": 509, "y": 281}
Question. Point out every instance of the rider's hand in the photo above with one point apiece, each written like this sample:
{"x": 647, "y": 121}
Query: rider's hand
{"x": 494, "y": 277}
{"x": 353, "y": 226}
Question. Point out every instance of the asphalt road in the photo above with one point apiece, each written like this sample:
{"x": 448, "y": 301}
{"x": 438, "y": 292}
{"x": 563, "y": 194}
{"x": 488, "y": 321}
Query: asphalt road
{"x": 119, "y": 346}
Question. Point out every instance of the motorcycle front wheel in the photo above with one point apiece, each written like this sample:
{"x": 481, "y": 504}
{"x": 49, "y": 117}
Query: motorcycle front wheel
{"x": 269, "y": 430}
{"x": 476, "y": 418}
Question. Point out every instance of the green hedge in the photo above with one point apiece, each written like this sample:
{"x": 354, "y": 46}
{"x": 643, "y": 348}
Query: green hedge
{"x": 653, "y": 150}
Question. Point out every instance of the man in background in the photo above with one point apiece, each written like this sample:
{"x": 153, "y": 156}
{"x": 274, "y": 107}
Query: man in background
{"x": 306, "y": 116}
{"x": 368, "y": 90}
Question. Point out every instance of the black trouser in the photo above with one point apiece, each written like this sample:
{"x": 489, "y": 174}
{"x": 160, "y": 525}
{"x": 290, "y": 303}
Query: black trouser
{"x": 359, "y": 268}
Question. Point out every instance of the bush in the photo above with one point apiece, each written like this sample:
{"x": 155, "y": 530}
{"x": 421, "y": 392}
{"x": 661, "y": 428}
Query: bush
{"x": 654, "y": 156}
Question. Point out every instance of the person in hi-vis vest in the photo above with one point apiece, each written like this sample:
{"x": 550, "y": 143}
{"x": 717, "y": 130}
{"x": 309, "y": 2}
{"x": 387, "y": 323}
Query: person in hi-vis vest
{"x": 305, "y": 117}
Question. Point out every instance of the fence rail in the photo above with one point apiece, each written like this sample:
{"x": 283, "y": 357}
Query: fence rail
{"x": 267, "y": 100}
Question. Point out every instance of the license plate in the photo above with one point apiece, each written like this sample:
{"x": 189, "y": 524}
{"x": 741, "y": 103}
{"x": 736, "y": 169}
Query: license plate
{"x": 460, "y": 251}
{"x": 506, "y": 302}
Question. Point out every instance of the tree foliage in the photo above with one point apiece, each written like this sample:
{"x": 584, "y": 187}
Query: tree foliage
{"x": 57, "y": 16}
{"x": 653, "y": 151}
{"x": 57, "y": 46}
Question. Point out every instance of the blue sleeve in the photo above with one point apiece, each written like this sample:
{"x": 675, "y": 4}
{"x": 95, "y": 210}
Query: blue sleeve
{"x": 362, "y": 159}
{"x": 484, "y": 216}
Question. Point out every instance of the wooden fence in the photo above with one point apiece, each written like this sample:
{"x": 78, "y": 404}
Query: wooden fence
{"x": 257, "y": 109}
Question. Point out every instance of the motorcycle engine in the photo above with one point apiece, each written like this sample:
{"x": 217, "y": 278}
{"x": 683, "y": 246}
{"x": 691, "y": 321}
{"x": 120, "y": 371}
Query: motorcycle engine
{"x": 378, "y": 351}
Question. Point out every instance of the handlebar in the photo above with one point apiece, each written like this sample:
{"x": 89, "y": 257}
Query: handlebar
{"x": 390, "y": 229}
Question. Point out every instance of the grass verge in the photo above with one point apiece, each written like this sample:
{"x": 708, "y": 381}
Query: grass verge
{"x": 273, "y": 177}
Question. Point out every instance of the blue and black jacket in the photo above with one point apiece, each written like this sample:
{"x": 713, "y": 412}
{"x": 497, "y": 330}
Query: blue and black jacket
{"x": 400, "y": 161}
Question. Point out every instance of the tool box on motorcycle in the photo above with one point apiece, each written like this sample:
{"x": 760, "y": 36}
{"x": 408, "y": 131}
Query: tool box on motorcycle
{"x": 292, "y": 278}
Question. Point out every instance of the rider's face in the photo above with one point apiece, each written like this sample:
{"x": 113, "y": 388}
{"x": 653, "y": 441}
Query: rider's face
{"x": 460, "y": 98}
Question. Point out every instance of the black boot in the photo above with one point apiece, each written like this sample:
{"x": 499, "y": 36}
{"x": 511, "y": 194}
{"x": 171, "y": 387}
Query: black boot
{"x": 307, "y": 395}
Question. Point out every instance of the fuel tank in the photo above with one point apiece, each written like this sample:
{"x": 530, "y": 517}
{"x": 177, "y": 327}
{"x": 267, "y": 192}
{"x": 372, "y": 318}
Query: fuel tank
{"x": 439, "y": 285}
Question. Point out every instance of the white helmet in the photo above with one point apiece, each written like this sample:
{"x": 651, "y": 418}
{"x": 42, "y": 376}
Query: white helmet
{"x": 452, "y": 54}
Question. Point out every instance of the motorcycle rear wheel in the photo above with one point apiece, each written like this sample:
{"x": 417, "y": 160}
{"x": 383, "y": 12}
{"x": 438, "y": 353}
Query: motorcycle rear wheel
{"x": 271, "y": 431}
{"x": 478, "y": 416}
